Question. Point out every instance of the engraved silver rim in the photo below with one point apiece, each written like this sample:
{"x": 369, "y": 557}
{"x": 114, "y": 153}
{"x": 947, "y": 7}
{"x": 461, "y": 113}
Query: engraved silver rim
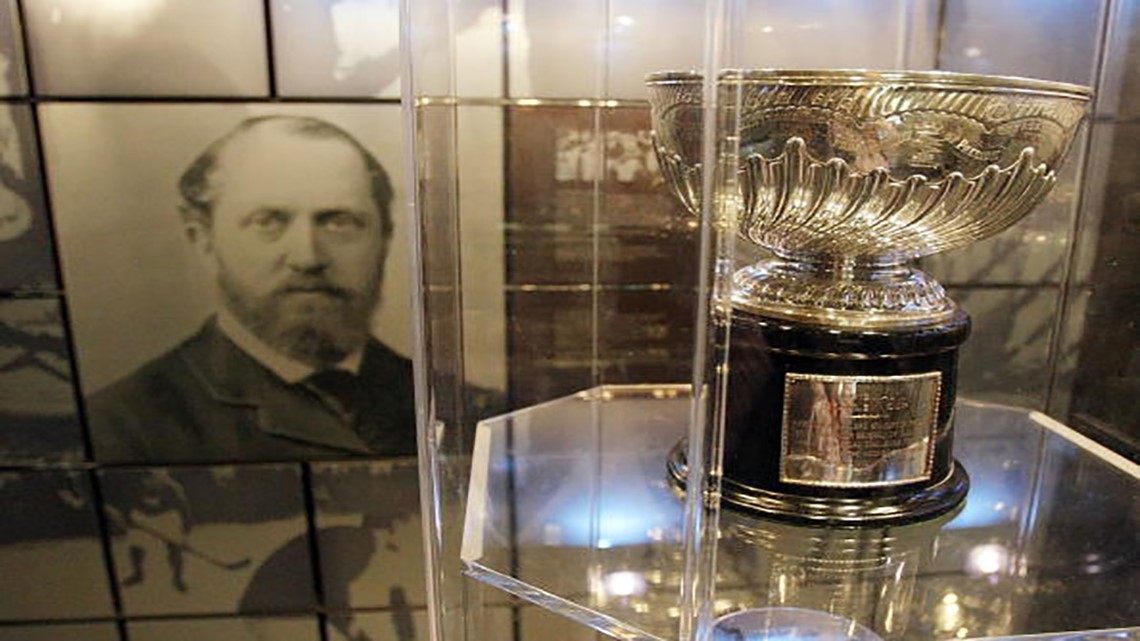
{"x": 859, "y": 77}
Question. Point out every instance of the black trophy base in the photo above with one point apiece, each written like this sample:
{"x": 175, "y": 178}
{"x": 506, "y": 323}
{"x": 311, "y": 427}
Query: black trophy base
{"x": 892, "y": 508}
{"x": 842, "y": 425}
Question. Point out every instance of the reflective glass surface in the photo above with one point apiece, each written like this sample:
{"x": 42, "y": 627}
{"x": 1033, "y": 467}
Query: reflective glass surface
{"x": 571, "y": 507}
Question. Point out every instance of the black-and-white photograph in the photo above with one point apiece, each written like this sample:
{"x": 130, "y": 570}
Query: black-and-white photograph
{"x": 209, "y": 540}
{"x": 237, "y": 279}
{"x": 227, "y": 629}
{"x": 26, "y": 261}
{"x": 369, "y": 532}
{"x": 38, "y": 421}
{"x": 50, "y": 540}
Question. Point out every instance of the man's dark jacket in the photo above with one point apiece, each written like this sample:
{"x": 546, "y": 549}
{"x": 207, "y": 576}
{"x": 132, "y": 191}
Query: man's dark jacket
{"x": 208, "y": 401}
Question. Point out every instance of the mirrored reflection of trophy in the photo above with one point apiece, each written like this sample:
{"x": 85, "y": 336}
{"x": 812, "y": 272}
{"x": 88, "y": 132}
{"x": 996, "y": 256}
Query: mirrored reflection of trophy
{"x": 864, "y": 574}
{"x": 842, "y": 358}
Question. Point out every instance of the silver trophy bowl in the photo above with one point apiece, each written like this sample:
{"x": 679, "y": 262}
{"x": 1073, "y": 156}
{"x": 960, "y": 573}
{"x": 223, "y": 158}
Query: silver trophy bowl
{"x": 847, "y": 175}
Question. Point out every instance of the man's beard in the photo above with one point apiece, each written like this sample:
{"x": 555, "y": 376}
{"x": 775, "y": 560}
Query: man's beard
{"x": 306, "y": 318}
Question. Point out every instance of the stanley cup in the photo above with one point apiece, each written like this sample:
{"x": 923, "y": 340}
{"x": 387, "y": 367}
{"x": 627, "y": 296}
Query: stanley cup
{"x": 842, "y": 357}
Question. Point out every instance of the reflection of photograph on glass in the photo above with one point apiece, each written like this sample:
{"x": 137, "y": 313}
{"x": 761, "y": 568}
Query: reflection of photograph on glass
{"x": 291, "y": 218}
{"x": 37, "y": 400}
{"x": 199, "y": 539}
{"x": 25, "y": 242}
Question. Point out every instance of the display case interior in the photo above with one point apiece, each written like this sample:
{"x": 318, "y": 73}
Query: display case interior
{"x": 580, "y": 336}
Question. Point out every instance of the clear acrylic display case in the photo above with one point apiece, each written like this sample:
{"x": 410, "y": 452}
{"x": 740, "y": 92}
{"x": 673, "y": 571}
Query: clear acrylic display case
{"x": 567, "y": 310}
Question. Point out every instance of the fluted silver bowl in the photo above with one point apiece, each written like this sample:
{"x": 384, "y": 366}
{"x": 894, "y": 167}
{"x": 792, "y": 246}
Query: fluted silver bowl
{"x": 867, "y": 170}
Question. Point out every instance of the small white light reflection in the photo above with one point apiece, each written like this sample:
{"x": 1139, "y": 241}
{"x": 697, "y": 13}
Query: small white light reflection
{"x": 987, "y": 558}
{"x": 529, "y": 102}
{"x": 584, "y": 103}
{"x": 973, "y": 52}
{"x": 625, "y": 583}
{"x": 625, "y": 21}
{"x": 1092, "y": 563}
{"x": 768, "y": 29}
{"x": 604, "y": 544}
{"x": 948, "y": 614}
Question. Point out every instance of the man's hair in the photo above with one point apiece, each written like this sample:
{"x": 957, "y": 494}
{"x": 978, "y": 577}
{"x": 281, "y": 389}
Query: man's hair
{"x": 197, "y": 189}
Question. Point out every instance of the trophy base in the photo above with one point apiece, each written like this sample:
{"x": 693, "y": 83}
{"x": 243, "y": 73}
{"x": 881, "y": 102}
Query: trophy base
{"x": 885, "y": 508}
{"x": 840, "y": 424}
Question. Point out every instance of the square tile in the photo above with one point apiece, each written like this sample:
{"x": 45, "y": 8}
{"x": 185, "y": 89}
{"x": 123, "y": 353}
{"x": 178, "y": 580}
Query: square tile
{"x": 458, "y": 48}
{"x": 557, "y": 50}
{"x": 26, "y": 262}
{"x": 483, "y": 255}
{"x": 227, "y": 629}
{"x": 605, "y": 50}
{"x": 1118, "y": 94}
{"x": 351, "y": 48}
{"x": 64, "y": 632}
{"x": 557, "y": 227}
{"x": 1103, "y": 373}
{"x": 13, "y": 81}
{"x": 50, "y": 548}
{"x": 337, "y": 47}
{"x": 123, "y": 218}
{"x": 1109, "y": 228}
{"x": 880, "y": 34}
{"x": 536, "y": 622}
{"x": 38, "y": 421}
{"x": 1007, "y": 357}
{"x": 369, "y": 533}
{"x": 1051, "y": 41}
{"x": 411, "y": 624}
{"x": 398, "y": 624}
{"x": 209, "y": 540}
{"x": 148, "y": 48}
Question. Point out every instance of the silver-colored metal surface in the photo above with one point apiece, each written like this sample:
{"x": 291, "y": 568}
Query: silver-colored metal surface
{"x": 847, "y": 175}
{"x": 859, "y": 431}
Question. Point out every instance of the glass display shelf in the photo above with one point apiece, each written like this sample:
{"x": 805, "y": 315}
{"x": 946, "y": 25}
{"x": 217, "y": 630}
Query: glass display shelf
{"x": 571, "y": 507}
